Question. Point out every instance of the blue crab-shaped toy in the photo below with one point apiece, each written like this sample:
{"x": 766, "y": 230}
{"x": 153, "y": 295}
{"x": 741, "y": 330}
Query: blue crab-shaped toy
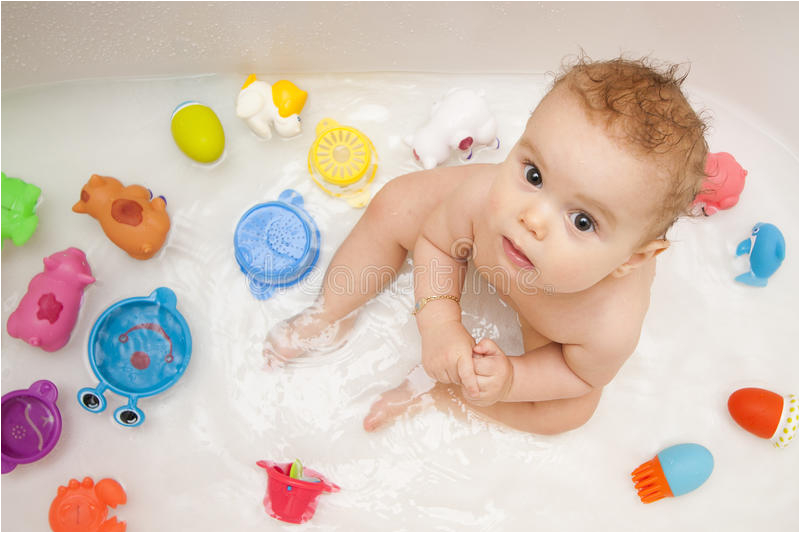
{"x": 138, "y": 347}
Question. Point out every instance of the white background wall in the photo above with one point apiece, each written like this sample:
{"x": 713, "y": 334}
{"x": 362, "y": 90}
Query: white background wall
{"x": 746, "y": 52}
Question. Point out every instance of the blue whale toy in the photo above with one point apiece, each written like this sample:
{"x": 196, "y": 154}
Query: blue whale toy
{"x": 767, "y": 250}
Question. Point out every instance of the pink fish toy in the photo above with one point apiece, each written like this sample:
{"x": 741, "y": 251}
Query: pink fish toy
{"x": 49, "y": 310}
{"x": 723, "y": 185}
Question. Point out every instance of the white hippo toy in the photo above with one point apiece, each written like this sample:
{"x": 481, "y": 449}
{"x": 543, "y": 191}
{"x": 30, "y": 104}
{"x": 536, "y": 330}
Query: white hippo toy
{"x": 461, "y": 121}
{"x": 261, "y": 104}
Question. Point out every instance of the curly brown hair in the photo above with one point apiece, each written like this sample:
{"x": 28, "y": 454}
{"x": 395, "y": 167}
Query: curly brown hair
{"x": 643, "y": 105}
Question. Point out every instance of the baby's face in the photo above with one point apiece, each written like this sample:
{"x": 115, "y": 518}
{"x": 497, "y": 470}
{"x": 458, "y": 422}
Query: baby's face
{"x": 568, "y": 201}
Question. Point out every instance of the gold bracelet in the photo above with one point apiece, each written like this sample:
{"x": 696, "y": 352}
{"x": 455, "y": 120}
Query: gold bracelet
{"x": 423, "y": 301}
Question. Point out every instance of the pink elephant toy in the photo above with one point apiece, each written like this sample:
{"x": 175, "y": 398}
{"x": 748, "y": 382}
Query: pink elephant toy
{"x": 48, "y": 311}
{"x": 723, "y": 184}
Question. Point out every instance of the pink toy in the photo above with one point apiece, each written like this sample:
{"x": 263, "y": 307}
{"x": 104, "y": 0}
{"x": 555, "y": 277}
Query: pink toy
{"x": 723, "y": 185}
{"x": 48, "y": 311}
{"x": 289, "y": 499}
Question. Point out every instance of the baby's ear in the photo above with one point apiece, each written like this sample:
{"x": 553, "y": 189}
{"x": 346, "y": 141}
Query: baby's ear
{"x": 640, "y": 256}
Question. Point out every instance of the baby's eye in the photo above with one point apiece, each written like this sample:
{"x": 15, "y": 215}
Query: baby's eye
{"x": 533, "y": 175}
{"x": 582, "y": 221}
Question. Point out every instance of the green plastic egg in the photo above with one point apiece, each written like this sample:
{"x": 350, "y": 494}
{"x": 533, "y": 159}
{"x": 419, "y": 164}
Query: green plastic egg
{"x": 198, "y": 132}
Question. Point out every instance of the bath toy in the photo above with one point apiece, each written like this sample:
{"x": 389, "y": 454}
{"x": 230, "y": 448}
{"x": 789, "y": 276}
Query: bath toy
{"x": 129, "y": 216}
{"x": 765, "y": 414}
{"x": 460, "y": 121}
{"x": 138, "y": 347}
{"x": 31, "y": 424}
{"x": 296, "y": 472}
{"x": 723, "y": 185}
{"x": 260, "y": 104}
{"x": 342, "y": 161}
{"x": 289, "y": 499}
{"x": 47, "y": 313}
{"x": 19, "y": 218}
{"x": 276, "y": 244}
{"x": 83, "y": 506}
{"x": 198, "y": 132}
{"x": 673, "y": 472}
{"x": 767, "y": 250}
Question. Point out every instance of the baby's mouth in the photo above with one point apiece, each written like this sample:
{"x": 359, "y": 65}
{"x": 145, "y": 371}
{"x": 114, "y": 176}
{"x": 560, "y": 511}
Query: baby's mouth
{"x": 515, "y": 254}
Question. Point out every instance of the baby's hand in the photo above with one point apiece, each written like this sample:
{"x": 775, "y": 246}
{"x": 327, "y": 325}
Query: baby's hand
{"x": 495, "y": 374}
{"x": 447, "y": 355}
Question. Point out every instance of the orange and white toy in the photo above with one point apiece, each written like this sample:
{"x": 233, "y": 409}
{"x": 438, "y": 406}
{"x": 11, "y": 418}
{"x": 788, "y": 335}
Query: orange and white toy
{"x": 83, "y": 506}
{"x": 765, "y": 414}
{"x": 260, "y": 104}
{"x": 129, "y": 216}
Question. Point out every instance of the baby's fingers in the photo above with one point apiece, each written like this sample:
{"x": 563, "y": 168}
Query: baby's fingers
{"x": 487, "y": 347}
{"x": 485, "y": 365}
{"x": 487, "y": 394}
{"x": 466, "y": 373}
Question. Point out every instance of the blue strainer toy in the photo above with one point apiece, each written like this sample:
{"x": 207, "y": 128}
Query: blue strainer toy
{"x": 276, "y": 244}
{"x": 138, "y": 347}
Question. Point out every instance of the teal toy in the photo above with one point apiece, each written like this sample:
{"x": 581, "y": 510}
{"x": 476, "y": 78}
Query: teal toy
{"x": 674, "y": 471}
{"x": 767, "y": 250}
{"x": 19, "y": 218}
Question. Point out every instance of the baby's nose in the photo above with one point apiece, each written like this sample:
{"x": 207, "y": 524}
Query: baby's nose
{"x": 534, "y": 221}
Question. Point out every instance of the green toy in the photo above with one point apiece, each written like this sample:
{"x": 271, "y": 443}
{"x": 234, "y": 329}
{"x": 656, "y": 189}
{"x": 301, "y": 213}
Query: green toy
{"x": 296, "y": 472}
{"x": 19, "y": 218}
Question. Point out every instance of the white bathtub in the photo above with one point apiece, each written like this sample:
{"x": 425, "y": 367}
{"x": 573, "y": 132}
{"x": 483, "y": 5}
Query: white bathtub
{"x": 379, "y": 66}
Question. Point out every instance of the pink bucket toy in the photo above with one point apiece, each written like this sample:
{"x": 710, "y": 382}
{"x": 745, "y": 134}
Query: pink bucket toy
{"x": 289, "y": 499}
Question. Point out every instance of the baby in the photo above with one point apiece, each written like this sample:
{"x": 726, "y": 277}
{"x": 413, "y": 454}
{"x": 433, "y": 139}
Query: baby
{"x": 566, "y": 229}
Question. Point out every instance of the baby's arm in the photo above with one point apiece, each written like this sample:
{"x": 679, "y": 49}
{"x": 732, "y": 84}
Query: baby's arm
{"x": 440, "y": 262}
{"x": 552, "y": 372}
{"x": 540, "y": 392}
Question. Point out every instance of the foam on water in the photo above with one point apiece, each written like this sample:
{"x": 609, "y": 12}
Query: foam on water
{"x": 192, "y": 464}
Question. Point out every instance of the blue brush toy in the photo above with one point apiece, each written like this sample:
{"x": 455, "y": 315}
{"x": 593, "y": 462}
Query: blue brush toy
{"x": 767, "y": 250}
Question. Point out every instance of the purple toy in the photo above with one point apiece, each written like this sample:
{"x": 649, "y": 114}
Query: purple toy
{"x": 31, "y": 424}
{"x": 48, "y": 311}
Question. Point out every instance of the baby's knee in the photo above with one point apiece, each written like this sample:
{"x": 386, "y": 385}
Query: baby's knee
{"x": 559, "y": 416}
{"x": 561, "y": 425}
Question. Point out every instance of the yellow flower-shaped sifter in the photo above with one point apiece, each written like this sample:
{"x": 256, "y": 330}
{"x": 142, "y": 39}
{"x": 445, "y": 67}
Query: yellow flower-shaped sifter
{"x": 342, "y": 161}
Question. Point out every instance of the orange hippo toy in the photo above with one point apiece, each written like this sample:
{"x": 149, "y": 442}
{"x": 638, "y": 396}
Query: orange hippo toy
{"x": 129, "y": 216}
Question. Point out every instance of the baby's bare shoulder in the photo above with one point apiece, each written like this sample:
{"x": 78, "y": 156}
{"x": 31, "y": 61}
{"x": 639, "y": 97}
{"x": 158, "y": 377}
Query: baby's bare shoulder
{"x": 604, "y": 341}
{"x": 468, "y": 199}
{"x": 466, "y": 187}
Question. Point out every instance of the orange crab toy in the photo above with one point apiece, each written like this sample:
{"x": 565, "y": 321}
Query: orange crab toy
{"x": 84, "y": 506}
{"x": 129, "y": 217}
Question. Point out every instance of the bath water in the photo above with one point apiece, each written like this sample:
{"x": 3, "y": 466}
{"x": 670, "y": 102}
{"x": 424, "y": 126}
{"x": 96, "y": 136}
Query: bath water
{"x": 192, "y": 464}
